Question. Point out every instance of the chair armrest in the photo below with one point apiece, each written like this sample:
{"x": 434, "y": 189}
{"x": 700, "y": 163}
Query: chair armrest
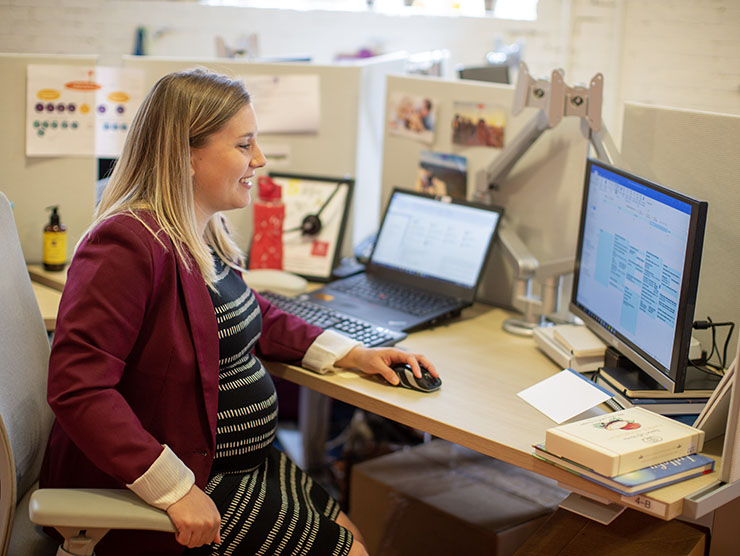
{"x": 95, "y": 508}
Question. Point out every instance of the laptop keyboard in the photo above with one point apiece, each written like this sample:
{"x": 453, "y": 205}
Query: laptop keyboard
{"x": 369, "y": 334}
{"x": 409, "y": 300}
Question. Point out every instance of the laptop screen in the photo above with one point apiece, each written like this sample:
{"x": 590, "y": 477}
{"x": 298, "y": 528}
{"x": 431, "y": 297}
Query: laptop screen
{"x": 442, "y": 238}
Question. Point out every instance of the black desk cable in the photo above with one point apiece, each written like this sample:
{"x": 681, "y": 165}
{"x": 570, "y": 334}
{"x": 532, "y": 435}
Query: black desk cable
{"x": 710, "y": 324}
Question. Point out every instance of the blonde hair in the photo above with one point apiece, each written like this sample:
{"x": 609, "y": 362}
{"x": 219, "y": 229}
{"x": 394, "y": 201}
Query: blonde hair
{"x": 153, "y": 173}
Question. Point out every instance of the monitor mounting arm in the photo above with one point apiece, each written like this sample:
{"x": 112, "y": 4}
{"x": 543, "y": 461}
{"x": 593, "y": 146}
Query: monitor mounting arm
{"x": 527, "y": 269}
{"x": 553, "y": 100}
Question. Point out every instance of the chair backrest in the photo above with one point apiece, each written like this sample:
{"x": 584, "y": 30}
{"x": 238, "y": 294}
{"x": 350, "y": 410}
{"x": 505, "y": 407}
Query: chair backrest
{"x": 25, "y": 417}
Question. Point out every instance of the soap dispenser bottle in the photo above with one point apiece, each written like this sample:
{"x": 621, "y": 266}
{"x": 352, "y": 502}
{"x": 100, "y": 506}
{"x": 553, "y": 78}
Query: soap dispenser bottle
{"x": 55, "y": 242}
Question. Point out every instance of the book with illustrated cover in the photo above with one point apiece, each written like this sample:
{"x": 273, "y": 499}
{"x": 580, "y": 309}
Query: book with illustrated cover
{"x": 642, "y": 480}
{"x": 623, "y": 441}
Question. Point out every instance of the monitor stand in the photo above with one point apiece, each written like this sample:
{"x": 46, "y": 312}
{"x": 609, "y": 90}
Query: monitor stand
{"x": 636, "y": 383}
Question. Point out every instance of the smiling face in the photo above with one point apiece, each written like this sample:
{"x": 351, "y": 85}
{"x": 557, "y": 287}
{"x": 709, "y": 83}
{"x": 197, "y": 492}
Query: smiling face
{"x": 223, "y": 168}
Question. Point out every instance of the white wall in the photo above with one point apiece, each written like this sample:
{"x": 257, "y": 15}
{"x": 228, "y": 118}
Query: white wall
{"x": 682, "y": 53}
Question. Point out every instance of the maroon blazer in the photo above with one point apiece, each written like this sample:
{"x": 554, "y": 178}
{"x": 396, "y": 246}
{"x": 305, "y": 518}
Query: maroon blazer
{"x": 134, "y": 365}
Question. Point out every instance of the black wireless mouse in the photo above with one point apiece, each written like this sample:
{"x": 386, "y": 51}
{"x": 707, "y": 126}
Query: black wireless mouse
{"x": 427, "y": 382}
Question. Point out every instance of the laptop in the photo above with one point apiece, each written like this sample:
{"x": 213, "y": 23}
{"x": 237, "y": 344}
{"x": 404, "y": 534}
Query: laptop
{"x": 426, "y": 264}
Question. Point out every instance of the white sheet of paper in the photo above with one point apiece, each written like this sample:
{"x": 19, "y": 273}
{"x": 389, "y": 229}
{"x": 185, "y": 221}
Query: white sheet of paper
{"x": 564, "y": 395}
{"x": 286, "y": 103}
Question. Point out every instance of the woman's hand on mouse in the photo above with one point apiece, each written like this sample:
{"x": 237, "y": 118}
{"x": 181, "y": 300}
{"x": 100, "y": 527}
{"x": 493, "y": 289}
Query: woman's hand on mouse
{"x": 379, "y": 360}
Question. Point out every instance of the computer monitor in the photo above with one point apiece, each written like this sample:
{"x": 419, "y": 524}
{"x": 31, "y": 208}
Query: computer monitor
{"x": 637, "y": 269}
{"x": 493, "y": 73}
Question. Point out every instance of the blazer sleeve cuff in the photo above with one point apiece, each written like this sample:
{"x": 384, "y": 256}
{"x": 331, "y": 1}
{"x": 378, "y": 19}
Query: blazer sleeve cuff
{"x": 326, "y": 349}
{"x": 166, "y": 481}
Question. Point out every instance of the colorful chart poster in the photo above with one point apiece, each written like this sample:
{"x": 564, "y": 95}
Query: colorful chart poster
{"x": 116, "y": 101}
{"x": 80, "y": 110}
{"x": 60, "y": 110}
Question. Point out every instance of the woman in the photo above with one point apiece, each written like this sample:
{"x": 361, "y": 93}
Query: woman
{"x": 154, "y": 377}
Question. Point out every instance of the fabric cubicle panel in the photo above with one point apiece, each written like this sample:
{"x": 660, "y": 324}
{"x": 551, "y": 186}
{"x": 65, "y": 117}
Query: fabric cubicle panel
{"x": 541, "y": 195}
{"x": 330, "y": 152}
{"x": 695, "y": 153}
{"x": 34, "y": 183}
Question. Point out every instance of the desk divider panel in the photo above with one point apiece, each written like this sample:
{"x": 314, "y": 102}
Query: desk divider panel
{"x": 34, "y": 183}
{"x": 542, "y": 194}
{"x": 696, "y": 153}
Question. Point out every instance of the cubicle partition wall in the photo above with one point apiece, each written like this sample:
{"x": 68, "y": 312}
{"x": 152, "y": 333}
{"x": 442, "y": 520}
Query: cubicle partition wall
{"x": 696, "y": 153}
{"x": 370, "y": 131}
{"x": 542, "y": 194}
{"x": 349, "y": 118}
{"x": 34, "y": 183}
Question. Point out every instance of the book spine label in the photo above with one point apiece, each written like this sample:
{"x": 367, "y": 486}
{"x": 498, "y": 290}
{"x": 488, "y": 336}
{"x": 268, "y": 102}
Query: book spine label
{"x": 646, "y": 504}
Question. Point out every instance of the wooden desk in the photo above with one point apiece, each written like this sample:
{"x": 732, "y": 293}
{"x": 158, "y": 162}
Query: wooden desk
{"x": 482, "y": 369}
{"x": 48, "y": 300}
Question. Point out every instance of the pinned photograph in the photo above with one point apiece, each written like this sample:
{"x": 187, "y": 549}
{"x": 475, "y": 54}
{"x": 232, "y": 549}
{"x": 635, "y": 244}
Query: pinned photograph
{"x": 442, "y": 174}
{"x": 476, "y": 124}
{"x": 412, "y": 116}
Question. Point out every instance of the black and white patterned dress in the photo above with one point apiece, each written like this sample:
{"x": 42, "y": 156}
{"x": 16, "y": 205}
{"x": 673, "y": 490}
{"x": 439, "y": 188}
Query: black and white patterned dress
{"x": 268, "y": 505}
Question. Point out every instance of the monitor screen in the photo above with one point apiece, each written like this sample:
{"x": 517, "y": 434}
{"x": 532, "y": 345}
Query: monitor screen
{"x": 637, "y": 269}
{"x": 436, "y": 237}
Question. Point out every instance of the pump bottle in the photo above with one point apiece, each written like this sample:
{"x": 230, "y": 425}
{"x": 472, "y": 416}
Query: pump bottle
{"x": 55, "y": 242}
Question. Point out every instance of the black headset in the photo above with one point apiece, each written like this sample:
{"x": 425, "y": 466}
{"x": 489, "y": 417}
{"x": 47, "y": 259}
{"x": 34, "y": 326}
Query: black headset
{"x": 311, "y": 224}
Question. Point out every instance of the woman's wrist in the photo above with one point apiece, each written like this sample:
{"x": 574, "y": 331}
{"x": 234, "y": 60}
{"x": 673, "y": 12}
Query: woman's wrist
{"x": 351, "y": 359}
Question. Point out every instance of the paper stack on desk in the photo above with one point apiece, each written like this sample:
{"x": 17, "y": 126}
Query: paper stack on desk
{"x": 571, "y": 346}
{"x": 629, "y": 451}
{"x": 579, "y": 340}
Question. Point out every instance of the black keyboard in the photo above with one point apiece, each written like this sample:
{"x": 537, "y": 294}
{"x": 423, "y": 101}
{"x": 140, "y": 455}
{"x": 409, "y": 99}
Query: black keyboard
{"x": 369, "y": 334}
{"x": 409, "y": 300}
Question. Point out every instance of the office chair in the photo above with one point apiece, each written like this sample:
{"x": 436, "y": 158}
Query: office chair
{"x": 82, "y": 516}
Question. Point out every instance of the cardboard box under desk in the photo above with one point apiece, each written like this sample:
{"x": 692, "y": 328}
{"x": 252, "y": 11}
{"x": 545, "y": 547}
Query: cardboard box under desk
{"x": 632, "y": 533}
{"x": 440, "y": 499}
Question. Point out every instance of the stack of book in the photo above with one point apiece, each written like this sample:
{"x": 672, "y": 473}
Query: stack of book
{"x": 633, "y": 388}
{"x": 630, "y": 451}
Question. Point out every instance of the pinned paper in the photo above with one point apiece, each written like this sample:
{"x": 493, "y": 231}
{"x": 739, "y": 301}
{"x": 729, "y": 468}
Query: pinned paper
{"x": 60, "y": 110}
{"x": 286, "y": 103}
{"x": 564, "y": 395}
{"x": 80, "y": 110}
